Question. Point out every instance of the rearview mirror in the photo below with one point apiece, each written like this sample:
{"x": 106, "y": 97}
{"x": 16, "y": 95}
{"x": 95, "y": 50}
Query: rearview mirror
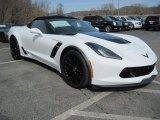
{"x": 36, "y": 31}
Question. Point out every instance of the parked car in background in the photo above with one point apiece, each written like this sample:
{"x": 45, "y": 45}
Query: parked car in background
{"x": 152, "y": 22}
{"x": 102, "y": 23}
{"x": 138, "y": 19}
{"x": 136, "y": 24}
{"x": 126, "y": 25}
{"x": 4, "y": 29}
{"x": 114, "y": 23}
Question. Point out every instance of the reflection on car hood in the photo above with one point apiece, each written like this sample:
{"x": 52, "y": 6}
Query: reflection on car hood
{"x": 107, "y": 37}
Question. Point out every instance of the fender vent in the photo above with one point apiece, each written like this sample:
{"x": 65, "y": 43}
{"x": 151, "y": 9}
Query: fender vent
{"x": 55, "y": 49}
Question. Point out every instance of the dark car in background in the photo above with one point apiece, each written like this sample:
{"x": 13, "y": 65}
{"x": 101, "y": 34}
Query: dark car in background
{"x": 126, "y": 25}
{"x": 4, "y": 29}
{"x": 114, "y": 24}
{"x": 103, "y": 23}
{"x": 152, "y": 22}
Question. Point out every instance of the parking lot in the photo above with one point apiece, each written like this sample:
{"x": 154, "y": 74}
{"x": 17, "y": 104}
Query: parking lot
{"x": 30, "y": 90}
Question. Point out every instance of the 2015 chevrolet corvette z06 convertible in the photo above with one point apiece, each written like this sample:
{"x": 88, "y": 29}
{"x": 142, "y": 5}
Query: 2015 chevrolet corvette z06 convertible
{"x": 83, "y": 55}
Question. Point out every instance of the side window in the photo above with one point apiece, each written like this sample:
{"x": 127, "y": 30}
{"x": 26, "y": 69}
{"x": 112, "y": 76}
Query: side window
{"x": 123, "y": 18}
{"x": 40, "y": 24}
{"x": 99, "y": 18}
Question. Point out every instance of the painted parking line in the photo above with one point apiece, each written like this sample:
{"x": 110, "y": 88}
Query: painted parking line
{"x": 107, "y": 116}
{"x": 156, "y": 82}
{"x": 14, "y": 61}
{"x": 81, "y": 106}
{"x": 148, "y": 91}
{"x": 4, "y": 48}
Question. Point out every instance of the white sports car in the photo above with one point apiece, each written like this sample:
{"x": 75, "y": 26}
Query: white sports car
{"x": 83, "y": 55}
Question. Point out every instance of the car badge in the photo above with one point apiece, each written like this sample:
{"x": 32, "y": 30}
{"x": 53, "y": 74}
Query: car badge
{"x": 146, "y": 55}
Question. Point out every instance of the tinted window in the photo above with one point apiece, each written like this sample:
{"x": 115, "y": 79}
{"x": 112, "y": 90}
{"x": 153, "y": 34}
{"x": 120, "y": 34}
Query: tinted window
{"x": 99, "y": 18}
{"x": 154, "y": 18}
{"x": 40, "y": 24}
{"x": 123, "y": 18}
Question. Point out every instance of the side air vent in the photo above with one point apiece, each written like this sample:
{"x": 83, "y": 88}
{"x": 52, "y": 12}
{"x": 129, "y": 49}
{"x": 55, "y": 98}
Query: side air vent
{"x": 55, "y": 49}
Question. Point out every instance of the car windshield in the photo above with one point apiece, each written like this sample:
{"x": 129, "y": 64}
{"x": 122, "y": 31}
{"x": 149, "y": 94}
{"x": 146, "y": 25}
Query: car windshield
{"x": 108, "y": 18}
{"x": 113, "y": 18}
{"x": 132, "y": 18}
{"x": 2, "y": 26}
{"x": 128, "y": 18}
{"x": 152, "y": 18}
{"x": 64, "y": 26}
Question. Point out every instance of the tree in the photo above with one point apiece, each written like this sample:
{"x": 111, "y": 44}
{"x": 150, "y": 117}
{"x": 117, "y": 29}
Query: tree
{"x": 60, "y": 9}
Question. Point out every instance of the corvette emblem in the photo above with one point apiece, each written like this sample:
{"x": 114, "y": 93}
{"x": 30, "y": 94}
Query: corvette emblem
{"x": 146, "y": 55}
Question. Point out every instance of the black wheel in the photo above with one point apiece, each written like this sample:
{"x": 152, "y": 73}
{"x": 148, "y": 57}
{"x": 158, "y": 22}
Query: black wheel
{"x": 75, "y": 70}
{"x": 14, "y": 47}
{"x": 147, "y": 29}
{"x": 108, "y": 28}
{"x": 132, "y": 27}
{"x": 3, "y": 38}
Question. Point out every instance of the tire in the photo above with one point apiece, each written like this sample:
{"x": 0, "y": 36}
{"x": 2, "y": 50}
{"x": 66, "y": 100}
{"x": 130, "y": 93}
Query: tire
{"x": 0, "y": 37}
{"x": 108, "y": 28}
{"x": 147, "y": 29}
{"x": 3, "y": 38}
{"x": 14, "y": 48}
{"x": 75, "y": 70}
{"x": 132, "y": 28}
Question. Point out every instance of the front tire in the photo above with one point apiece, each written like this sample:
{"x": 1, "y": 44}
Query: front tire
{"x": 14, "y": 48}
{"x": 74, "y": 70}
{"x": 108, "y": 28}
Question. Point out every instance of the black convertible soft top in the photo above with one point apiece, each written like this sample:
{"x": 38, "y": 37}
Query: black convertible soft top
{"x": 52, "y": 17}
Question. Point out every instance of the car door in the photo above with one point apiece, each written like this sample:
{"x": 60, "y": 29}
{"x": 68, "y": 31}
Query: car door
{"x": 39, "y": 46}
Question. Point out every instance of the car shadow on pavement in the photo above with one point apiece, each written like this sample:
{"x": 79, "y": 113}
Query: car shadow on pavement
{"x": 43, "y": 65}
{"x": 91, "y": 88}
{"x": 114, "y": 89}
{"x": 2, "y": 117}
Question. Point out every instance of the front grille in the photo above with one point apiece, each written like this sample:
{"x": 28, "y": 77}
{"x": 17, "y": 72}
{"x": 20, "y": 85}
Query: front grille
{"x": 136, "y": 71}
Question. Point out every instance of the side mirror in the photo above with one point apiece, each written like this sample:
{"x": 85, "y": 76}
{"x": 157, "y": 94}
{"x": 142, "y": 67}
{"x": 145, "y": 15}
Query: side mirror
{"x": 36, "y": 31}
{"x": 97, "y": 28}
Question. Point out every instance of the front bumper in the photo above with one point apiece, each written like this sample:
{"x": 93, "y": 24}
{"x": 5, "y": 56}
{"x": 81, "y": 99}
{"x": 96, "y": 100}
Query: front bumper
{"x": 107, "y": 73}
{"x": 117, "y": 27}
{"x": 137, "y": 26}
{"x": 143, "y": 82}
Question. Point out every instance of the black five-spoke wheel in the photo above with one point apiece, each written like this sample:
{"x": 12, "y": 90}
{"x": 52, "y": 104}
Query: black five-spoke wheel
{"x": 74, "y": 69}
{"x": 14, "y": 47}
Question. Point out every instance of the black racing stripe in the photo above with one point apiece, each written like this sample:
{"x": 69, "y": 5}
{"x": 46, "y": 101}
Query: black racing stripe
{"x": 55, "y": 49}
{"x": 24, "y": 51}
{"x": 107, "y": 37}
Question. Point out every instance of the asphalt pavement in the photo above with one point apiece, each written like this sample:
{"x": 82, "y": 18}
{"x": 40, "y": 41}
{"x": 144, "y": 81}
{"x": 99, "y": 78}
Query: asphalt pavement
{"x": 30, "y": 90}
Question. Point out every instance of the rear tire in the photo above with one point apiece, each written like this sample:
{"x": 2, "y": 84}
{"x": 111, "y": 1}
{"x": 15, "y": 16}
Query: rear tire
{"x": 14, "y": 48}
{"x": 75, "y": 70}
{"x": 108, "y": 28}
{"x": 3, "y": 38}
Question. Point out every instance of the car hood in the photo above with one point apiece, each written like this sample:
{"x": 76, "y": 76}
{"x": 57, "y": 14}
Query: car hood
{"x": 126, "y": 46}
{"x": 117, "y": 41}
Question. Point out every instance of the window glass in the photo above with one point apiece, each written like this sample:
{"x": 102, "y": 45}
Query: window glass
{"x": 123, "y": 18}
{"x": 40, "y": 24}
{"x": 70, "y": 26}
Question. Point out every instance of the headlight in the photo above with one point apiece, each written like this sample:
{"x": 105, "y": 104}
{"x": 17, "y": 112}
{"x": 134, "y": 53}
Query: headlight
{"x": 114, "y": 23}
{"x": 126, "y": 23}
{"x": 102, "y": 51}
